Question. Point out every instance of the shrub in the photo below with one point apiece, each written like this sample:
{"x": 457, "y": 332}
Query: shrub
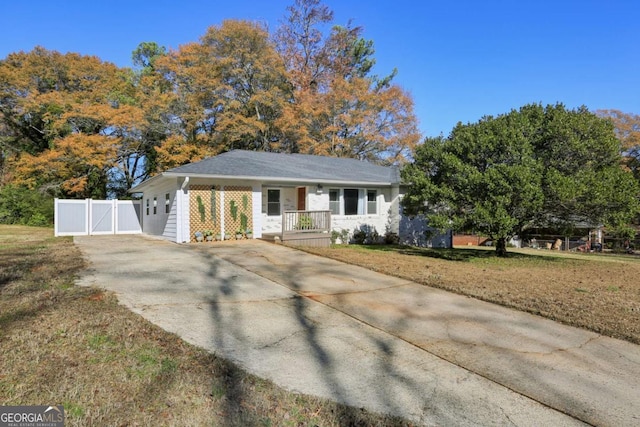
{"x": 391, "y": 238}
{"x": 344, "y": 237}
{"x": 359, "y": 236}
{"x": 20, "y": 205}
{"x": 334, "y": 236}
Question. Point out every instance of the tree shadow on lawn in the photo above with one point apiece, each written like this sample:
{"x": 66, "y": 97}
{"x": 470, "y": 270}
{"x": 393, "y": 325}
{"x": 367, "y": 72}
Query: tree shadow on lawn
{"x": 457, "y": 254}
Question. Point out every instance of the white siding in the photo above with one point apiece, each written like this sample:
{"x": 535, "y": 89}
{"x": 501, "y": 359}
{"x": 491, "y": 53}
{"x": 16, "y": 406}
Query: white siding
{"x": 171, "y": 223}
{"x": 181, "y": 205}
{"x": 154, "y": 223}
{"x": 161, "y": 223}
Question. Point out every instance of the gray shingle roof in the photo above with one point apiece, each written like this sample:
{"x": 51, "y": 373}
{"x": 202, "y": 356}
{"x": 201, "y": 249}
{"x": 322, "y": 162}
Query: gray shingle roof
{"x": 281, "y": 166}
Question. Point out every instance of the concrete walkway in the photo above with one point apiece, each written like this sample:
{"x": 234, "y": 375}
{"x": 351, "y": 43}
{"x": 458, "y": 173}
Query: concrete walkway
{"x": 326, "y": 328}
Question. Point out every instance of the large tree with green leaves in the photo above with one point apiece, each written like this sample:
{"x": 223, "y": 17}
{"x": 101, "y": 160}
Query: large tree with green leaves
{"x": 534, "y": 167}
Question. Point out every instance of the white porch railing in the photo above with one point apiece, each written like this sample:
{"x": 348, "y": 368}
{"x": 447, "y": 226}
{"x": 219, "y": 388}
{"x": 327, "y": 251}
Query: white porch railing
{"x": 295, "y": 222}
{"x": 306, "y": 228}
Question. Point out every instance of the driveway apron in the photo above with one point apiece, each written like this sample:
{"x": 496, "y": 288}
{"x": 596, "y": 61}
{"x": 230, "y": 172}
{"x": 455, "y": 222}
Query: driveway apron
{"x": 322, "y": 327}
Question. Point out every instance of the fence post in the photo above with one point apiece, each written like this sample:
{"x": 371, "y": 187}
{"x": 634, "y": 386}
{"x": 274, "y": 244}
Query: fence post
{"x": 114, "y": 216}
{"x": 282, "y": 223}
{"x": 88, "y": 218}
{"x": 55, "y": 217}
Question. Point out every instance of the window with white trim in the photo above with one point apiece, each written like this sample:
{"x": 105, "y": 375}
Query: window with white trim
{"x": 353, "y": 201}
{"x": 372, "y": 202}
{"x": 155, "y": 205}
{"x": 167, "y": 202}
{"x": 273, "y": 202}
{"x": 147, "y": 206}
{"x": 334, "y": 201}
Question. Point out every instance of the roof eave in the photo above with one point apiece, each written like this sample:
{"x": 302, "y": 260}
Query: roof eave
{"x": 276, "y": 179}
{"x": 144, "y": 184}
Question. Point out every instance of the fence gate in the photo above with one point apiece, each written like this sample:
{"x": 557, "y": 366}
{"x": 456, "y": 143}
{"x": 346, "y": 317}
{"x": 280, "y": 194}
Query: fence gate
{"x": 89, "y": 217}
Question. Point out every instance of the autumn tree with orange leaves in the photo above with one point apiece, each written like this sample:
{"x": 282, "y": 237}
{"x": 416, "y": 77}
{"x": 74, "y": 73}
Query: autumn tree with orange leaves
{"x": 227, "y": 91}
{"x": 71, "y": 123}
{"x": 627, "y": 129}
{"x": 338, "y": 108}
{"x": 76, "y": 126}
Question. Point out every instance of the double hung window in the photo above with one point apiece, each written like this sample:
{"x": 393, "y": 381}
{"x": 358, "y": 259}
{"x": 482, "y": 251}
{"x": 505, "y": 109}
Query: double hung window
{"x": 273, "y": 202}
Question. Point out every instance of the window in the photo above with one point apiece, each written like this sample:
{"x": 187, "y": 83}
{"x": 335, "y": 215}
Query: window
{"x": 334, "y": 201}
{"x": 350, "y": 201}
{"x": 273, "y": 202}
{"x": 147, "y": 206}
{"x": 155, "y": 205}
{"x": 354, "y": 201}
{"x": 167, "y": 203}
{"x": 372, "y": 202}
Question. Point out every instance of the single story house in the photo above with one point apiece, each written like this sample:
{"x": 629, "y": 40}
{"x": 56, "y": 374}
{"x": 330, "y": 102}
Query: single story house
{"x": 250, "y": 192}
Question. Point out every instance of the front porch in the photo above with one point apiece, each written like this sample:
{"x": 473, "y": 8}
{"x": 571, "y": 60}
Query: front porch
{"x": 303, "y": 228}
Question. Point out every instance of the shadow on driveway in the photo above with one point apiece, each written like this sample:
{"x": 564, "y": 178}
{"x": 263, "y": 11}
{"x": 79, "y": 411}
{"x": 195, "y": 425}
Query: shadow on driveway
{"x": 320, "y": 327}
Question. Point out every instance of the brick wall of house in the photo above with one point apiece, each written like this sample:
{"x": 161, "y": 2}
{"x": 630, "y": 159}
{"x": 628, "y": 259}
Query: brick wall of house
{"x": 468, "y": 240}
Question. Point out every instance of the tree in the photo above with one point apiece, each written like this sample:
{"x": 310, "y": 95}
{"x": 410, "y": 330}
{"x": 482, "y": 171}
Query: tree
{"x": 535, "y": 167}
{"x": 627, "y": 128}
{"x": 19, "y": 205}
{"x": 67, "y": 121}
{"x": 338, "y": 108}
{"x": 146, "y": 54}
{"x": 300, "y": 43}
{"x": 227, "y": 92}
{"x": 75, "y": 126}
{"x": 253, "y": 85}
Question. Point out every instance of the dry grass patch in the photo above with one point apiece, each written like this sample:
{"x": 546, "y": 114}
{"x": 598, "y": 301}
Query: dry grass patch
{"x": 596, "y": 292}
{"x": 75, "y": 346}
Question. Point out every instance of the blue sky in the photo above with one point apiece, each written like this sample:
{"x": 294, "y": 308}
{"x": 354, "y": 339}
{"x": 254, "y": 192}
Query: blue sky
{"x": 460, "y": 60}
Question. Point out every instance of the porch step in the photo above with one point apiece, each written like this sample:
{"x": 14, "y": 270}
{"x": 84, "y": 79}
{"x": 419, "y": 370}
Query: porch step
{"x": 319, "y": 240}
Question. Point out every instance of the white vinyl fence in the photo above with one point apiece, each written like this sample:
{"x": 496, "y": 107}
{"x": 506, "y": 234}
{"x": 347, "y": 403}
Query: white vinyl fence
{"x": 89, "y": 217}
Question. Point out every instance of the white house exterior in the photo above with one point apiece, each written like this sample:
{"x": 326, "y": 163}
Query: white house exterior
{"x": 251, "y": 189}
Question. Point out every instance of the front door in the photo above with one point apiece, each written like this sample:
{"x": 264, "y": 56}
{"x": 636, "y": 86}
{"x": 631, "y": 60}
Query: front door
{"x": 302, "y": 198}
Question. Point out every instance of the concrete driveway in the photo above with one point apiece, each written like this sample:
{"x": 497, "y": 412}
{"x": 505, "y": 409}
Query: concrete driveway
{"x": 330, "y": 329}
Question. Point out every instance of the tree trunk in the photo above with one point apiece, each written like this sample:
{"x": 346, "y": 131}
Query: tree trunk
{"x": 501, "y": 247}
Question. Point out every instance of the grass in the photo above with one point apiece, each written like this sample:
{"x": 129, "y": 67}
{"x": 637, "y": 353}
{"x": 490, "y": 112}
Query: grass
{"x": 76, "y": 346}
{"x": 597, "y": 292}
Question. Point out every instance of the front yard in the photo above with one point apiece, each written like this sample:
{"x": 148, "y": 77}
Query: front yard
{"x": 62, "y": 344}
{"x": 596, "y": 292}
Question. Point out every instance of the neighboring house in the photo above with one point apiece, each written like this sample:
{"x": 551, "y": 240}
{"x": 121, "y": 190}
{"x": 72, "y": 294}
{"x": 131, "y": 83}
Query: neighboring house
{"x": 253, "y": 189}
